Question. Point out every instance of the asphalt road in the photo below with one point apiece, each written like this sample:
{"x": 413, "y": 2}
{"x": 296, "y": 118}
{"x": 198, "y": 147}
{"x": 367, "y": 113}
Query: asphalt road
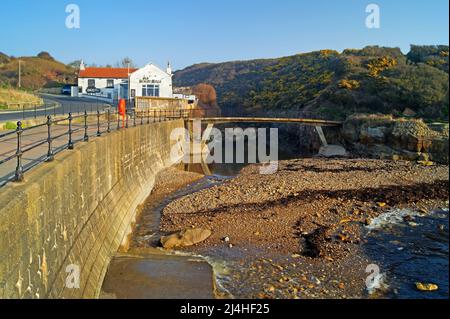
{"x": 55, "y": 105}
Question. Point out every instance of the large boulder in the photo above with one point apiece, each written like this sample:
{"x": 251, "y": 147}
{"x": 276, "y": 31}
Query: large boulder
{"x": 185, "y": 238}
{"x": 332, "y": 151}
{"x": 439, "y": 150}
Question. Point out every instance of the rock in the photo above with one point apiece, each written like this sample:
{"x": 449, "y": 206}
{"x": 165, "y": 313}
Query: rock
{"x": 426, "y": 287}
{"x": 185, "y": 238}
{"x": 271, "y": 289}
{"x": 409, "y": 112}
{"x": 373, "y": 135}
{"x": 226, "y": 239}
{"x": 408, "y": 218}
{"x": 332, "y": 151}
{"x": 439, "y": 150}
{"x": 410, "y": 156}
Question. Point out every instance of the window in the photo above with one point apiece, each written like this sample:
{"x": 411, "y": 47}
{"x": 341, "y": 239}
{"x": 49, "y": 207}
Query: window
{"x": 150, "y": 90}
{"x": 110, "y": 84}
{"x": 91, "y": 83}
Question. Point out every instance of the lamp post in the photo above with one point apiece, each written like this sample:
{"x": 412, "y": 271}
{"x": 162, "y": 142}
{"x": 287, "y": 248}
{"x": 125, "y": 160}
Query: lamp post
{"x": 20, "y": 74}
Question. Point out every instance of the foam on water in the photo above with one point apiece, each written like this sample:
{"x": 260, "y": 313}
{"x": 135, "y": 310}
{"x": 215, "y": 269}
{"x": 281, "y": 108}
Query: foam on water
{"x": 220, "y": 269}
{"x": 394, "y": 216}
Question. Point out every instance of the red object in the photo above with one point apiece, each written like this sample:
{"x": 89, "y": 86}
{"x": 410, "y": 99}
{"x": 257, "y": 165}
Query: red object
{"x": 122, "y": 110}
{"x": 122, "y": 107}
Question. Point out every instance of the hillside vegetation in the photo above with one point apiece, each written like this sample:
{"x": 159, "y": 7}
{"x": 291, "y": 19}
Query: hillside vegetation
{"x": 41, "y": 71}
{"x": 332, "y": 84}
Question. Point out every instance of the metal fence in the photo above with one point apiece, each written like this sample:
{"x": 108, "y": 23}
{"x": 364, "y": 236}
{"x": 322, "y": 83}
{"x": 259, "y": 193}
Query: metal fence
{"x": 57, "y": 109}
{"x": 58, "y": 134}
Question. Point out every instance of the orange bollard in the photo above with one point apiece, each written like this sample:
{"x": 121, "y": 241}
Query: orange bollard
{"x": 122, "y": 110}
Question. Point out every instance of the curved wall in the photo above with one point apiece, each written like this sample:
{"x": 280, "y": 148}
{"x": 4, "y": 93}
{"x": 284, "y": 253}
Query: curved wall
{"x": 71, "y": 216}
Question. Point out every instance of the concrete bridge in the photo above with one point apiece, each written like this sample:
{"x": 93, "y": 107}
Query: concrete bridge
{"x": 72, "y": 214}
{"x": 317, "y": 123}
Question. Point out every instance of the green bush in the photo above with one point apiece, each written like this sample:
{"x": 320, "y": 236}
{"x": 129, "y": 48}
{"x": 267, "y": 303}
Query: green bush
{"x": 10, "y": 126}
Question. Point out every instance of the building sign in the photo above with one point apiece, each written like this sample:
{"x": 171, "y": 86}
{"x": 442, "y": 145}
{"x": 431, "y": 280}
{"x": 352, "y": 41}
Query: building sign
{"x": 146, "y": 79}
{"x": 93, "y": 90}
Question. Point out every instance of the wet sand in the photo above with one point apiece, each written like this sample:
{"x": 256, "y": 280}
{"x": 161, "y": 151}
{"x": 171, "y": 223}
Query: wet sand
{"x": 146, "y": 272}
{"x": 151, "y": 274}
{"x": 300, "y": 233}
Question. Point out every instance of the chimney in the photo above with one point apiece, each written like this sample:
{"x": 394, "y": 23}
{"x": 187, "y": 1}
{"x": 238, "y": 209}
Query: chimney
{"x": 169, "y": 68}
{"x": 82, "y": 66}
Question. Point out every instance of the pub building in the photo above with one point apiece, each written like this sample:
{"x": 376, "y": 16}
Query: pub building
{"x": 113, "y": 84}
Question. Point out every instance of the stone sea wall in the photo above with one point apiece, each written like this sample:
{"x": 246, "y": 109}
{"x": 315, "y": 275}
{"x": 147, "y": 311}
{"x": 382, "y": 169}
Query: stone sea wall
{"x": 72, "y": 215}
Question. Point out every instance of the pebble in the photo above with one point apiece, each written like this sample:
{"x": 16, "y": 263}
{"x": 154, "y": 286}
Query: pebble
{"x": 426, "y": 287}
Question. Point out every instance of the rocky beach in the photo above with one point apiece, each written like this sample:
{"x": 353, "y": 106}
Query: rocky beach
{"x": 303, "y": 232}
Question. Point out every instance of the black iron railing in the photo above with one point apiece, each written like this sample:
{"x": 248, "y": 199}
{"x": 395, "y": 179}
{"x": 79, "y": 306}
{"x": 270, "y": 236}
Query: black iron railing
{"x": 86, "y": 124}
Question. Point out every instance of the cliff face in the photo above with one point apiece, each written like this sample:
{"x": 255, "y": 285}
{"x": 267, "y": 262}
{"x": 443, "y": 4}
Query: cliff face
{"x": 398, "y": 139}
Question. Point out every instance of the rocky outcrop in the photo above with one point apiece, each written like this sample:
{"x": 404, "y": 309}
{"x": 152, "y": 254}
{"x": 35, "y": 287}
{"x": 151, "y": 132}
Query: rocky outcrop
{"x": 185, "y": 238}
{"x": 399, "y": 139}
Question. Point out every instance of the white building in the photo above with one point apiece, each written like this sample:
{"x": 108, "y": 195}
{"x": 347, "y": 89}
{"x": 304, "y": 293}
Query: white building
{"x": 122, "y": 83}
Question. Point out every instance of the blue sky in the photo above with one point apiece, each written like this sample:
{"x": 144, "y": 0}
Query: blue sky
{"x": 193, "y": 31}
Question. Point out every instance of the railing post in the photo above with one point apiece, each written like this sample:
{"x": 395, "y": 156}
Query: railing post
{"x": 70, "y": 146}
{"x": 134, "y": 117}
{"x": 148, "y": 116}
{"x": 142, "y": 118}
{"x": 98, "y": 124}
{"x": 19, "y": 168}
{"x": 109, "y": 121}
{"x": 86, "y": 135}
{"x": 118, "y": 120}
{"x": 126, "y": 119}
{"x": 50, "y": 155}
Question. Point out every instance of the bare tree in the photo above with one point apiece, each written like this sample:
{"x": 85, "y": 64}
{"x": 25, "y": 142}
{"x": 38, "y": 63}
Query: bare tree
{"x": 125, "y": 63}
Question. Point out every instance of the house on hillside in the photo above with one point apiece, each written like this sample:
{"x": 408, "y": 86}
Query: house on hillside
{"x": 112, "y": 84}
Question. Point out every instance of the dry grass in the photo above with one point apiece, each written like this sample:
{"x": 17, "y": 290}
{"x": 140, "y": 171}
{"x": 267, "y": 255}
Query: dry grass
{"x": 12, "y": 99}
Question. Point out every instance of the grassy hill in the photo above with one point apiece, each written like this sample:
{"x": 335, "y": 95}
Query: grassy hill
{"x": 370, "y": 80}
{"x": 11, "y": 98}
{"x": 38, "y": 72}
